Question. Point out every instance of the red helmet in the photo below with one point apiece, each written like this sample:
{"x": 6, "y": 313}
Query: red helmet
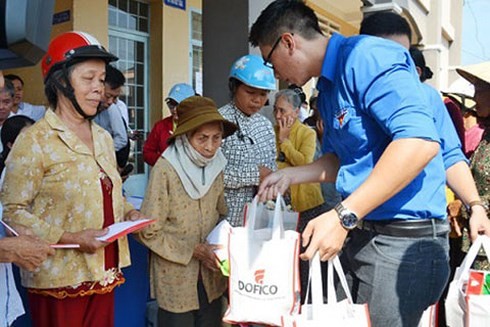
{"x": 69, "y": 46}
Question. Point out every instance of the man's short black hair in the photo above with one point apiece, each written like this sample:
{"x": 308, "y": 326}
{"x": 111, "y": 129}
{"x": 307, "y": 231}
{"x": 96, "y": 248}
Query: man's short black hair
{"x": 114, "y": 77}
{"x": 14, "y": 77}
{"x": 385, "y": 23}
{"x": 283, "y": 16}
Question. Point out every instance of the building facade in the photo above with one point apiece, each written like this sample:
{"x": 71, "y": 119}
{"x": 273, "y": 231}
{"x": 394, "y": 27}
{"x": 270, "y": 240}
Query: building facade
{"x": 163, "y": 42}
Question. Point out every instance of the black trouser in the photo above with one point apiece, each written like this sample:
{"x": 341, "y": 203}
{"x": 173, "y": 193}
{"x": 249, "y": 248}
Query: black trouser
{"x": 304, "y": 266}
{"x": 208, "y": 315}
{"x": 122, "y": 155}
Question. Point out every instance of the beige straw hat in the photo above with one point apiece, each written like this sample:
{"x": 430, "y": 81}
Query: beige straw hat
{"x": 472, "y": 73}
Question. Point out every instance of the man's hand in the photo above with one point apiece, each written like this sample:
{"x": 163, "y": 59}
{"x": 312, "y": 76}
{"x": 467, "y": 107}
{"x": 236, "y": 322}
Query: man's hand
{"x": 27, "y": 252}
{"x": 204, "y": 253}
{"x": 479, "y": 222}
{"x": 324, "y": 234}
{"x": 274, "y": 183}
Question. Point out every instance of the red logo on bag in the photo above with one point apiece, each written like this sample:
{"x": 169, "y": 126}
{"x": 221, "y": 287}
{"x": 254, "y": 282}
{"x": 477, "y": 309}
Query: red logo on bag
{"x": 259, "y": 276}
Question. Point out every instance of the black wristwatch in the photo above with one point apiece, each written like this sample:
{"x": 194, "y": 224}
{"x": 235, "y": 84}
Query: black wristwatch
{"x": 348, "y": 219}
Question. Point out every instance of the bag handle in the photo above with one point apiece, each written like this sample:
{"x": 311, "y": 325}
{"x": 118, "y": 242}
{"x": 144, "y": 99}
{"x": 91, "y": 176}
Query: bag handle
{"x": 277, "y": 220}
{"x": 251, "y": 213}
{"x": 315, "y": 284}
{"x": 464, "y": 268}
{"x": 486, "y": 245}
{"x": 343, "y": 280}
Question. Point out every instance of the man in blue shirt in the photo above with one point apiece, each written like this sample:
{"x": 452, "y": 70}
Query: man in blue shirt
{"x": 381, "y": 149}
{"x": 394, "y": 27}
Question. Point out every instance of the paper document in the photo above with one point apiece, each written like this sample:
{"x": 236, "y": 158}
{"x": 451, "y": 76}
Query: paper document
{"x": 123, "y": 228}
{"x": 64, "y": 246}
{"x": 219, "y": 236}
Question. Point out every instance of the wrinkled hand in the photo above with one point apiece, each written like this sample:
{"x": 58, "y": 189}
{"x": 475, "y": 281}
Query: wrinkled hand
{"x": 274, "y": 183}
{"x": 86, "y": 239}
{"x": 285, "y": 124}
{"x": 27, "y": 252}
{"x": 479, "y": 222}
{"x": 324, "y": 234}
{"x": 134, "y": 215}
{"x": 453, "y": 213}
{"x": 204, "y": 253}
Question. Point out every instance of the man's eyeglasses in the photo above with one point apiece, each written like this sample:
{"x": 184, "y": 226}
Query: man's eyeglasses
{"x": 267, "y": 61}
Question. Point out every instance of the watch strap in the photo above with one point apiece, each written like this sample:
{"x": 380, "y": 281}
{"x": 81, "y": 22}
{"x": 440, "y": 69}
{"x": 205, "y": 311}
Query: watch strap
{"x": 477, "y": 203}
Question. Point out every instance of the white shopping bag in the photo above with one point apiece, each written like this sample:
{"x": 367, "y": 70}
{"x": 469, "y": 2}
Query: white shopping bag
{"x": 468, "y": 310}
{"x": 264, "y": 276}
{"x": 429, "y": 317}
{"x": 318, "y": 314}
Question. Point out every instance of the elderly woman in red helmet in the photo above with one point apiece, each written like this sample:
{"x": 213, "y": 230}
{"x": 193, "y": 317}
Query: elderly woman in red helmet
{"x": 62, "y": 182}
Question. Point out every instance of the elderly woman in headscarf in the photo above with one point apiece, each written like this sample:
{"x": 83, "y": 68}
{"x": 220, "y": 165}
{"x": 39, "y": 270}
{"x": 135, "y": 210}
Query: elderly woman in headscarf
{"x": 186, "y": 196}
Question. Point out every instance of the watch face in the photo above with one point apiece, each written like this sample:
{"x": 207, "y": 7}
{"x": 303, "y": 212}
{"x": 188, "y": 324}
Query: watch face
{"x": 349, "y": 220}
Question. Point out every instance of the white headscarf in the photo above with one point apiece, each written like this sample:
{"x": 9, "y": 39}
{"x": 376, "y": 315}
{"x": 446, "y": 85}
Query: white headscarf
{"x": 196, "y": 172}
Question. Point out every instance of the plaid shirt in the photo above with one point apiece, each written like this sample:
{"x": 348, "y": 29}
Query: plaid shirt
{"x": 253, "y": 145}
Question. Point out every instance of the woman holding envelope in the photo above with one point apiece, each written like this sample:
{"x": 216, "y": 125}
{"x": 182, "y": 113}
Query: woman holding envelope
{"x": 186, "y": 196}
{"x": 62, "y": 182}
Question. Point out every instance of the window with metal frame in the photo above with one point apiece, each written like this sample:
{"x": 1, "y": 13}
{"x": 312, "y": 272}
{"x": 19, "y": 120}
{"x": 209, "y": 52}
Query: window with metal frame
{"x": 128, "y": 39}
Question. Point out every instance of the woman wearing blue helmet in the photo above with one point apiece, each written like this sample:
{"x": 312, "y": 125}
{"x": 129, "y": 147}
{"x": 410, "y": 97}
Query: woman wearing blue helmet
{"x": 251, "y": 151}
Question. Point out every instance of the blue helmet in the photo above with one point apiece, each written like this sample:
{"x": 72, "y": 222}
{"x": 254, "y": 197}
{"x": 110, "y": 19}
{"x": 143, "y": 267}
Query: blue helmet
{"x": 180, "y": 92}
{"x": 251, "y": 71}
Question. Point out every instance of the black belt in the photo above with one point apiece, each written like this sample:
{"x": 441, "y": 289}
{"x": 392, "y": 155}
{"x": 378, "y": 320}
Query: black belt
{"x": 406, "y": 228}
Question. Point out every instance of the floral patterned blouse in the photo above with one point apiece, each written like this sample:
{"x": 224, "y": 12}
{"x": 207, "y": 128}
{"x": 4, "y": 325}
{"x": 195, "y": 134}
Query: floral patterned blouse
{"x": 480, "y": 168}
{"x": 51, "y": 186}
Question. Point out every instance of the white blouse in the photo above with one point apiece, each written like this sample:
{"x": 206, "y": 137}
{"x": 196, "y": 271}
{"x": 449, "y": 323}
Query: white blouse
{"x": 10, "y": 303}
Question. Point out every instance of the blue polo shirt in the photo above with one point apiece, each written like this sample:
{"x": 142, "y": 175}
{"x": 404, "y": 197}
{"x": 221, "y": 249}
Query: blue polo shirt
{"x": 451, "y": 148}
{"x": 370, "y": 95}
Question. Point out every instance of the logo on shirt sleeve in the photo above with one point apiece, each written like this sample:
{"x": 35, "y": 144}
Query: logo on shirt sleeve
{"x": 340, "y": 116}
